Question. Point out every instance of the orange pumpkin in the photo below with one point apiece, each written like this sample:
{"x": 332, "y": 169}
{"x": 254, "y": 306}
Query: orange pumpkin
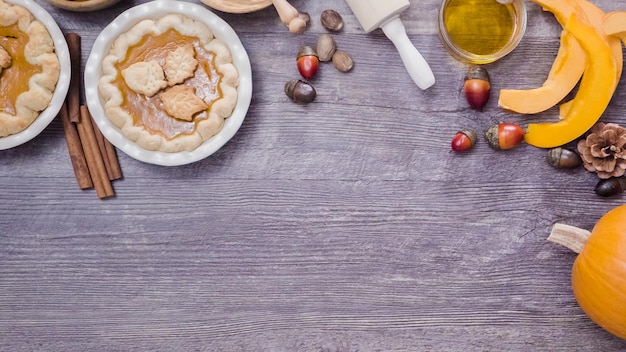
{"x": 599, "y": 272}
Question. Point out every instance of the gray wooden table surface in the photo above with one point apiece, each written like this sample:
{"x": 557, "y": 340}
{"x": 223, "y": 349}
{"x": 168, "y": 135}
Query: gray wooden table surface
{"x": 343, "y": 225}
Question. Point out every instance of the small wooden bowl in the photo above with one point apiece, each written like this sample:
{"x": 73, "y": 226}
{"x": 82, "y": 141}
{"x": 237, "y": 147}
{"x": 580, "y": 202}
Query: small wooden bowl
{"x": 82, "y": 6}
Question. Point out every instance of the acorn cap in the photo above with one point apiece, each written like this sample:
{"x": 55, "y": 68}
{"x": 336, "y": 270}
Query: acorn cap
{"x": 477, "y": 72}
{"x": 306, "y": 51}
{"x": 491, "y": 135}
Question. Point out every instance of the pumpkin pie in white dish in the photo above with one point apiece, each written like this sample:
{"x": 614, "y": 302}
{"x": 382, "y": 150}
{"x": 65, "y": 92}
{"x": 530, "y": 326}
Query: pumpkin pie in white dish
{"x": 29, "y": 70}
{"x": 82, "y": 5}
{"x": 168, "y": 83}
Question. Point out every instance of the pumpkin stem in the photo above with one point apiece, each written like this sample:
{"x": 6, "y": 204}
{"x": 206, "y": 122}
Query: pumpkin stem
{"x": 568, "y": 236}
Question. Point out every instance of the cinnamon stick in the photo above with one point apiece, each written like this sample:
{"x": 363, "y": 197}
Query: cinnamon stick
{"x": 91, "y": 161}
{"x": 75, "y": 149}
{"x": 109, "y": 155}
{"x": 73, "y": 96}
{"x": 116, "y": 169}
{"x": 101, "y": 148}
{"x": 101, "y": 181}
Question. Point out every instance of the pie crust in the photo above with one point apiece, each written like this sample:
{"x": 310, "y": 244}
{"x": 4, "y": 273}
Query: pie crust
{"x": 29, "y": 75}
{"x": 197, "y": 83}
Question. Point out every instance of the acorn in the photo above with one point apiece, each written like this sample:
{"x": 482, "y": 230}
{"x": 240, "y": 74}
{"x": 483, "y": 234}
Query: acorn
{"x": 563, "y": 158}
{"x": 300, "y": 91}
{"x": 610, "y": 186}
{"x": 464, "y": 140}
{"x": 308, "y": 62}
{"x": 477, "y": 87}
{"x": 504, "y": 135}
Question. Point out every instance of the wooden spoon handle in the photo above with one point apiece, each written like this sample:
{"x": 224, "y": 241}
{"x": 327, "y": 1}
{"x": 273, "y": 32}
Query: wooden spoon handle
{"x": 289, "y": 16}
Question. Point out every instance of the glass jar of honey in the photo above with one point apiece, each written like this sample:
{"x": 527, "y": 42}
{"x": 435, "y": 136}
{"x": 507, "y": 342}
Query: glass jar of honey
{"x": 481, "y": 31}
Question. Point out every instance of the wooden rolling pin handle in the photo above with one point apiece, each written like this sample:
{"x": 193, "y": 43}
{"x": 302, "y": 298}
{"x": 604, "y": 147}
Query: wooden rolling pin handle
{"x": 289, "y": 16}
{"x": 297, "y": 25}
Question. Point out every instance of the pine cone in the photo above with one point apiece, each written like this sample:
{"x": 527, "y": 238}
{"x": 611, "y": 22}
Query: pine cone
{"x": 604, "y": 150}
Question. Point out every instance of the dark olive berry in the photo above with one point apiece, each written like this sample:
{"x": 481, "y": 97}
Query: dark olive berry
{"x": 563, "y": 158}
{"x": 610, "y": 186}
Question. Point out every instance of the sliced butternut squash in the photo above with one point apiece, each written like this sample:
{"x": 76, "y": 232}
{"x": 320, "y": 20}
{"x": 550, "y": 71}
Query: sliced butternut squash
{"x": 561, "y": 9}
{"x": 568, "y": 65}
{"x": 596, "y": 17}
{"x": 594, "y": 93}
{"x": 614, "y": 24}
{"x": 565, "y": 73}
{"x": 564, "y": 108}
{"x": 602, "y": 23}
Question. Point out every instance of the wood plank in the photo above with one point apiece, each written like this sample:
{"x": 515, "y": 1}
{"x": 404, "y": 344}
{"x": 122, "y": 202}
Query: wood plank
{"x": 343, "y": 225}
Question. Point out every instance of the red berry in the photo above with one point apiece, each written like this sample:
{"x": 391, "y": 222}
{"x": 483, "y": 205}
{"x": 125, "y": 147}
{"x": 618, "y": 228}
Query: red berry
{"x": 308, "y": 62}
{"x": 463, "y": 141}
{"x": 477, "y": 87}
{"x": 505, "y": 135}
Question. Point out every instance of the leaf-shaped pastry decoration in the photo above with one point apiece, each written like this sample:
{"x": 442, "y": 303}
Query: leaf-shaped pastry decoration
{"x": 5, "y": 59}
{"x": 180, "y": 64}
{"x": 181, "y": 102}
{"x": 145, "y": 77}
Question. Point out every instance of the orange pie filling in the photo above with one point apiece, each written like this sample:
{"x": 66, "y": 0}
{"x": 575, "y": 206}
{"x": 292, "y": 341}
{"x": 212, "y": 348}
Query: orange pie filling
{"x": 169, "y": 84}
{"x": 14, "y": 78}
{"x": 148, "y": 112}
{"x": 29, "y": 68}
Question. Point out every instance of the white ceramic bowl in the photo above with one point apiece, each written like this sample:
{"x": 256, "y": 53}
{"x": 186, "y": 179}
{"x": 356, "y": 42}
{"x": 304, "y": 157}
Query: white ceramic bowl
{"x": 60, "y": 92}
{"x": 82, "y": 6}
{"x": 238, "y": 6}
{"x": 154, "y": 10}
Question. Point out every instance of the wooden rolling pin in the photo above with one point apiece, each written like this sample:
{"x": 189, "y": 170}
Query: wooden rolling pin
{"x": 290, "y": 16}
{"x": 385, "y": 14}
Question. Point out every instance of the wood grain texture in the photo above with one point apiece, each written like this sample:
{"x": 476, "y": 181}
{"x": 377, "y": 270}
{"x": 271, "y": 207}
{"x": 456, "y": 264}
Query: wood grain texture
{"x": 345, "y": 225}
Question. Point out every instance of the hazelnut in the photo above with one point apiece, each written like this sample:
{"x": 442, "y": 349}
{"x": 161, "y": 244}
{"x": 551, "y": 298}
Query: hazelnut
{"x": 326, "y": 47}
{"x": 331, "y": 20}
{"x": 300, "y": 91}
{"x": 342, "y": 61}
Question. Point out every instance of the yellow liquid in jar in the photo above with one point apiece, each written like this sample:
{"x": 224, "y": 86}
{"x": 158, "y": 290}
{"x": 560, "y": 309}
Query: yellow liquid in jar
{"x": 480, "y": 27}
